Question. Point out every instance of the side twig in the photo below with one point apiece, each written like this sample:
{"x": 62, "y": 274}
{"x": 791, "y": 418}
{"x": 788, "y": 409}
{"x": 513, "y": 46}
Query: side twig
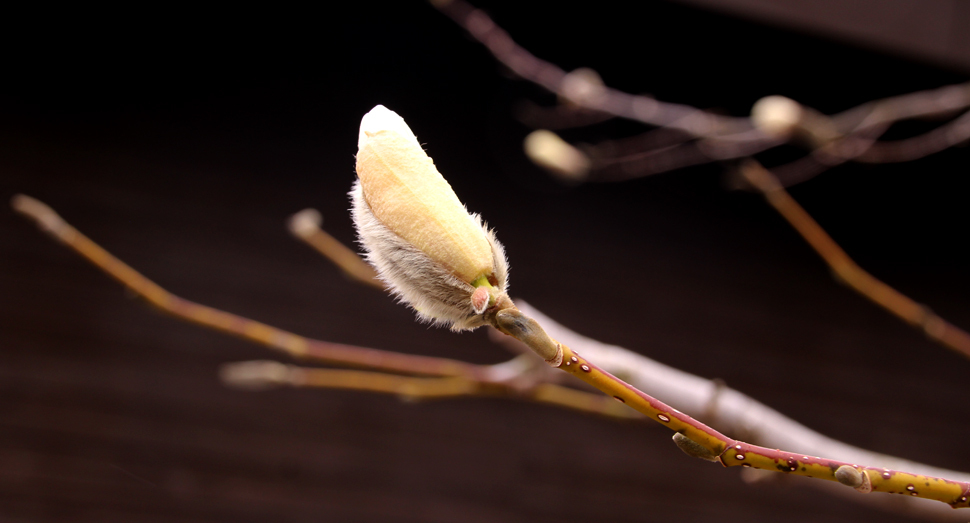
{"x": 505, "y": 379}
{"x": 268, "y": 374}
{"x": 702, "y": 137}
{"x": 847, "y": 271}
{"x": 578, "y": 89}
{"x": 305, "y": 225}
{"x": 287, "y": 342}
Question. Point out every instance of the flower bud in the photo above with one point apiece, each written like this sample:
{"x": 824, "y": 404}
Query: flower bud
{"x": 548, "y": 150}
{"x": 433, "y": 254}
{"x": 777, "y": 116}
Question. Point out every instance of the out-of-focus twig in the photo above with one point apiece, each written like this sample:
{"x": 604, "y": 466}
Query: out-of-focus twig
{"x": 706, "y": 137}
{"x": 266, "y": 374}
{"x": 305, "y": 225}
{"x": 921, "y": 104}
{"x": 828, "y": 155}
{"x": 939, "y": 139}
{"x": 847, "y": 271}
{"x": 578, "y": 89}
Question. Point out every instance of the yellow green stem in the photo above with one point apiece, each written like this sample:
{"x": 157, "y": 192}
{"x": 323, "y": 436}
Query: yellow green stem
{"x": 482, "y": 281}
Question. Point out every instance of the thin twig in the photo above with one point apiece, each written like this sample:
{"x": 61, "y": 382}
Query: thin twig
{"x": 847, "y": 271}
{"x": 507, "y": 378}
{"x": 920, "y": 104}
{"x": 721, "y": 137}
{"x": 292, "y": 344}
{"x": 699, "y": 123}
{"x": 828, "y": 155}
{"x": 265, "y": 374}
{"x": 576, "y": 89}
{"x": 305, "y": 225}
{"x": 939, "y": 139}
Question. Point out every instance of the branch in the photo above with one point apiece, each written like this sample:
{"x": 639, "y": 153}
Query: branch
{"x": 514, "y": 378}
{"x": 578, "y": 88}
{"x": 305, "y": 225}
{"x": 731, "y": 411}
{"x": 692, "y": 436}
{"x": 939, "y": 139}
{"x": 260, "y": 375}
{"x": 582, "y": 91}
{"x": 701, "y": 441}
{"x": 833, "y": 139}
{"x": 292, "y": 344}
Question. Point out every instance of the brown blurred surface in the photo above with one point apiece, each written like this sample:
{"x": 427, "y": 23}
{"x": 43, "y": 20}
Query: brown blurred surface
{"x": 185, "y": 158}
{"x": 931, "y": 30}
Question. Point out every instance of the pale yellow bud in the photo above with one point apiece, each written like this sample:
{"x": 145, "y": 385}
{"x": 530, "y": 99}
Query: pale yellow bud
{"x": 410, "y": 197}
{"x": 548, "y": 150}
{"x": 776, "y": 115}
{"x": 431, "y": 253}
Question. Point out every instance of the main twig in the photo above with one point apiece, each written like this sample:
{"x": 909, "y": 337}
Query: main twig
{"x": 701, "y": 441}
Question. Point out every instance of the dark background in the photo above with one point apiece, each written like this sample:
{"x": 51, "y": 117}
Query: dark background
{"x": 182, "y": 140}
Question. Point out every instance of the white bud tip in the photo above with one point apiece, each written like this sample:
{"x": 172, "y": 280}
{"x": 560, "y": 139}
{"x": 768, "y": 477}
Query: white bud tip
{"x": 305, "y": 222}
{"x": 379, "y": 119}
{"x": 551, "y": 152}
{"x": 46, "y": 218}
{"x": 776, "y": 116}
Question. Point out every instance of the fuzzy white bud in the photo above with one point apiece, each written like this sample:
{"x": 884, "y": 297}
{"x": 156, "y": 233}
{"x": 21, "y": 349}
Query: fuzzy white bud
{"x": 426, "y": 247}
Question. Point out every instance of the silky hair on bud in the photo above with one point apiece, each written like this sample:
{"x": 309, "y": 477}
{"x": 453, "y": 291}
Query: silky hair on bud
{"x": 432, "y": 290}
